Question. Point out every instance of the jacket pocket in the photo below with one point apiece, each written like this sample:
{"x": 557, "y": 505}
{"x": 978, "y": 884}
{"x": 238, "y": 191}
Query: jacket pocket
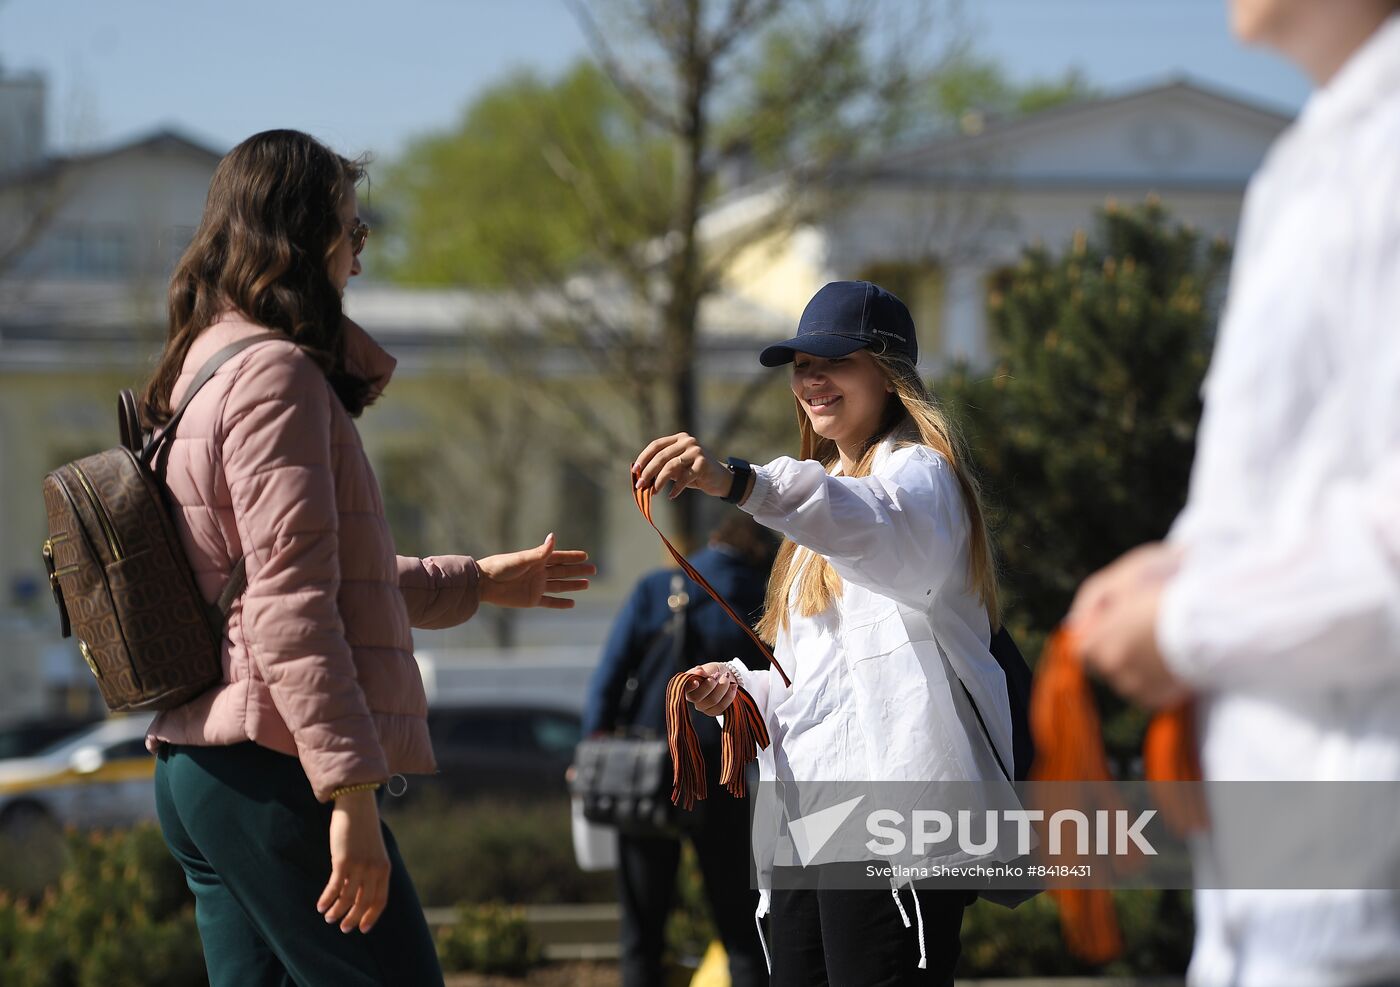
{"x": 880, "y": 635}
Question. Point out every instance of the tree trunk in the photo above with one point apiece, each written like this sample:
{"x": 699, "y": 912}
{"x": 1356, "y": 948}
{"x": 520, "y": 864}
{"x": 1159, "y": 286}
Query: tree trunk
{"x": 683, "y": 306}
{"x": 505, "y": 622}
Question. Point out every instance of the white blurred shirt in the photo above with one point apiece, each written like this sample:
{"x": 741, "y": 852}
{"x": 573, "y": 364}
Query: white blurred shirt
{"x": 1286, "y": 612}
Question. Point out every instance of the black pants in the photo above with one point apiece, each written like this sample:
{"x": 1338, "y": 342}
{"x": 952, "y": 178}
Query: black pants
{"x": 857, "y": 938}
{"x": 253, "y": 841}
{"x": 646, "y": 884}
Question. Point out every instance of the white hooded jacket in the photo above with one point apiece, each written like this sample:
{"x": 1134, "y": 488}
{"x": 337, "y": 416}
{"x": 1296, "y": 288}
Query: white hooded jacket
{"x": 875, "y": 692}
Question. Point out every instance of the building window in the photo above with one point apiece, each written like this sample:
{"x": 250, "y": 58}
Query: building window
{"x": 920, "y": 285}
{"x": 105, "y": 252}
{"x": 64, "y": 250}
{"x": 98, "y": 252}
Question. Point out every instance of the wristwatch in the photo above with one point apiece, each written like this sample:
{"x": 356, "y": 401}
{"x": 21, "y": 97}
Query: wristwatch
{"x": 742, "y": 470}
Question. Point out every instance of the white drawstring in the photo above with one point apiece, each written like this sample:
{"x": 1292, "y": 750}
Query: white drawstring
{"x": 894, "y": 891}
{"x": 919, "y": 914}
{"x": 758, "y": 924}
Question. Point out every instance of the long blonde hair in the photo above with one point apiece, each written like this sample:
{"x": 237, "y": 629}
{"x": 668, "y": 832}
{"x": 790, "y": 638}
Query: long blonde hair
{"x": 912, "y": 407}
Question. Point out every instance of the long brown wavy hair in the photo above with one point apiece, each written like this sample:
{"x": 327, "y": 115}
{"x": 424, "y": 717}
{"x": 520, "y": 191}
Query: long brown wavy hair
{"x": 270, "y": 224}
{"x": 912, "y": 412}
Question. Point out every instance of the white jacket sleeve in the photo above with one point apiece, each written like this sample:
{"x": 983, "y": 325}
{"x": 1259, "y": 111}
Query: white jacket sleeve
{"x": 899, "y": 532}
{"x": 754, "y": 682}
{"x": 1318, "y": 608}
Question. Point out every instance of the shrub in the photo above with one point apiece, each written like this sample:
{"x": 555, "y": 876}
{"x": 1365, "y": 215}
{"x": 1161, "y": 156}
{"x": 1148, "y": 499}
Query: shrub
{"x": 490, "y": 939}
{"x": 1084, "y": 432}
{"x": 691, "y": 928}
{"x": 33, "y": 859}
{"x": 1026, "y": 941}
{"x": 487, "y": 851}
{"x": 119, "y": 916}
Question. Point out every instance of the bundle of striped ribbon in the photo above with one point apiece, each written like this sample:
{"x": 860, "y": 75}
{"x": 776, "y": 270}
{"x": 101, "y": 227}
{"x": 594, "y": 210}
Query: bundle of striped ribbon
{"x": 744, "y": 733}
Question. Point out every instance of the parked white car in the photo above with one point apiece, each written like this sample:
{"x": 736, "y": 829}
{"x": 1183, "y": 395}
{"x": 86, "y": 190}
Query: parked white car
{"x": 99, "y": 778}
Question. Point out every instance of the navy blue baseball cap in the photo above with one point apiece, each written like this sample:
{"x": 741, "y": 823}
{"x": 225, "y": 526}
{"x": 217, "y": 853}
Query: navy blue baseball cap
{"x": 845, "y": 316}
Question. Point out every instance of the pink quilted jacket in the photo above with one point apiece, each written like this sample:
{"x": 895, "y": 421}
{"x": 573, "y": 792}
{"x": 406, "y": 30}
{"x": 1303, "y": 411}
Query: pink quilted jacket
{"x": 318, "y": 652}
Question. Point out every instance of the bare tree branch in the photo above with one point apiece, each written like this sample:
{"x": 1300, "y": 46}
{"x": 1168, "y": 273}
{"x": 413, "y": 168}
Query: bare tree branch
{"x": 741, "y": 408}
{"x": 603, "y": 51}
{"x": 42, "y": 197}
{"x": 743, "y": 20}
{"x": 685, "y": 62}
{"x": 589, "y": 186}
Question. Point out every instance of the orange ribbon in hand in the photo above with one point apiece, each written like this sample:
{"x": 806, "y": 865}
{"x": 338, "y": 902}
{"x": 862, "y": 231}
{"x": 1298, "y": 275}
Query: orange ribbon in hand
{"x": 1069, "y": 747}
{"x": 744, "y": 733}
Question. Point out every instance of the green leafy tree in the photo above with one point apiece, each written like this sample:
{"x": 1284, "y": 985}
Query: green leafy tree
{"x": 1085, "y": 431}
{"x": 583, "y": 197}
{"x": 484, "y": 203}
{"x": 968, "y": 83}
{"x": 1044, "y": 94}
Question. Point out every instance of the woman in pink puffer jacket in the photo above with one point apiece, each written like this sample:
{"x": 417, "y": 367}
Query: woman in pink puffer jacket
{"x": 267, "y": 784}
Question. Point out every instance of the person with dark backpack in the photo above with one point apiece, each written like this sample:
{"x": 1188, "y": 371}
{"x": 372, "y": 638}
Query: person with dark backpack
{"x": 268, "y": 777}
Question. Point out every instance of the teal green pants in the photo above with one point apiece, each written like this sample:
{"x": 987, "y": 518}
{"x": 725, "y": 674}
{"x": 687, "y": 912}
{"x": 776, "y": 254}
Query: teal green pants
{"x": 253, "y": 842}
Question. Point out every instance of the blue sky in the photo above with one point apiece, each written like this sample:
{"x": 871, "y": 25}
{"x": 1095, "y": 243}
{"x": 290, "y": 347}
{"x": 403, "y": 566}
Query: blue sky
{"x": 368, "y": 76}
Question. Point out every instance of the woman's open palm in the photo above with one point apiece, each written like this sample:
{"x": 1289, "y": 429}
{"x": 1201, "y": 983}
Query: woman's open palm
{"x": 534, "y": 577}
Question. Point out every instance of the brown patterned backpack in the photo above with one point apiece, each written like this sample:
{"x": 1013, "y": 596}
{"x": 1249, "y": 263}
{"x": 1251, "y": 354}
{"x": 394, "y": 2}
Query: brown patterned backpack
{"x": 119, "y": 573}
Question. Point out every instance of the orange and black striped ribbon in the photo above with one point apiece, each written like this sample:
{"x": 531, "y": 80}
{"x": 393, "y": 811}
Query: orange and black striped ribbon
{"x": 744, "y": 733}
{"x": 643, "y": 499}
{"x": 743, "y": 736}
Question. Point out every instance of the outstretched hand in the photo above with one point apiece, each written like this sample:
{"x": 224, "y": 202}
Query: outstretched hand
{"x": 534, "y": 577}
{"x": 680, "y": 461}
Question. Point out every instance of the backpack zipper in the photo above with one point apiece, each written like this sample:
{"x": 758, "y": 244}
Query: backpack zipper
{"x": 64, "y": 627}
{"x": 49, "y": 557}
{"x": 109, "y": 530}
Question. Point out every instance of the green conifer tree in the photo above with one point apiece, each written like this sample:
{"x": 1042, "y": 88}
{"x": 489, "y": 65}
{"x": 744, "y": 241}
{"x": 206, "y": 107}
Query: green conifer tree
{"x": 1084, "y": 431}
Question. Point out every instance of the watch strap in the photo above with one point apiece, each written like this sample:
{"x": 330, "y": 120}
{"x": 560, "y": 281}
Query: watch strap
{"x": 742, "y": 470}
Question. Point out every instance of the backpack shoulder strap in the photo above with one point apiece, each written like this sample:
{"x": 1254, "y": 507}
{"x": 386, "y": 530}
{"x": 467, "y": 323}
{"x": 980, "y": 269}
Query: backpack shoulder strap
{"x": 238, "y": 578}
{"x": 670, "y": 639}
{"x": 129, "y": 421}
{"x": 1018, "y": 679}
{"x": 211, "y": 366}
{"x": 233, "y": 589}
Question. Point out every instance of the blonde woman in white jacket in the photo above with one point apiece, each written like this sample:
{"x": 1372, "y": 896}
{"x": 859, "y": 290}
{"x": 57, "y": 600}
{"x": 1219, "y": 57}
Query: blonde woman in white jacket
{"x": 882, "y": 599}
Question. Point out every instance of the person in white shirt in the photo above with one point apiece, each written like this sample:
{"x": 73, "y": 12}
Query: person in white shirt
{"x": 882, "y": 600}
{"x": 1276, "y": 599}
